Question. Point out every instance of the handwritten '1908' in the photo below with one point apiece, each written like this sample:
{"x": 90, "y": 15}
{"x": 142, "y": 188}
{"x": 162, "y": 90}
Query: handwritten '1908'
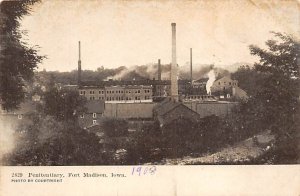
{"x": 140, "y": 170}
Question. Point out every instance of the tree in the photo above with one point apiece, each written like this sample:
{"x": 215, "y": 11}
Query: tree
{"x": 17, "y": 59}
{"x": 276, "y": 102}
{"x": 248, "y": 78}
{"x": 278, "y": 92}
{"x": 46, "y": 141}
{"x": 63, "y": 104}
{"x": 114, "y": 127}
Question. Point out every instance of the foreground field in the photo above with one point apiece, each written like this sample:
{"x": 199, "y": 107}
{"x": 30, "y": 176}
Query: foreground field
{"x": 241, "y": 152}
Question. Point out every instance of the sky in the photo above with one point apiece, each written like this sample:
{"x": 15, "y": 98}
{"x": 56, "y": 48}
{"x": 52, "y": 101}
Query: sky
{"x": 127, "y": 33}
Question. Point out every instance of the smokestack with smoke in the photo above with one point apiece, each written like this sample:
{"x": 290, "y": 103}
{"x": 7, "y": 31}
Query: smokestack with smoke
{"x": 211, "y": 78}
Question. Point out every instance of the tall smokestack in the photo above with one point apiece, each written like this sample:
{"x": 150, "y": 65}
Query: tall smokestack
{"x": 159, "y": 70}
{"x": 79, "y": 65}
{"x": 174, "y": 82}
{"x": 191, "y": 63}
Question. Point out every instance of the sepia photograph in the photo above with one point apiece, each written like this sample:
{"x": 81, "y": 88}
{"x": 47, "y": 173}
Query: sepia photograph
{"x": 118, "y": 83}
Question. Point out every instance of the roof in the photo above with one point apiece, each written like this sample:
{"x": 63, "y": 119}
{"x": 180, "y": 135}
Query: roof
{"x": 95, "y": 106}
{"x": 202, "y": 80}
{"x": 224, "y": 78}
{"x": 165, "y": 106}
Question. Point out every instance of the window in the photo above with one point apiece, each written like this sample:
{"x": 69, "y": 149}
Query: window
{"x": 139, "y": 91}
{"x": 20, "y": 116}
{"x": 94, "y": 115}
{"x": 81, "y": 115}
{"x": 94, "y": 122}
{"x": 229, "y": 83}
{"x": 228, "y": 95}
{"x": 219, "y": 83}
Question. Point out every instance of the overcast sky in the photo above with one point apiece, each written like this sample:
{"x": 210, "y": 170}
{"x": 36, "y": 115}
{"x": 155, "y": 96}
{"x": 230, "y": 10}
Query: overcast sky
{"x": 116, "y": 33}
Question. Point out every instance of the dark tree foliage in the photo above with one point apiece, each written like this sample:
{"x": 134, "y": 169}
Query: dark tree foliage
{"x": 17, "y": 59}
{"x": 275, "y": 104}
{"x": 48, "y": 142}
{"x": 278, "y": 92}
{"x": 63, "y": 104}
{"x": 114, "y": 127}
{"x": 249, "y": 78}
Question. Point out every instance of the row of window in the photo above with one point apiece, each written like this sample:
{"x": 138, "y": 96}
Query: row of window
{"x": 119, "y": 98}
{"x": 94, "y": 115}
{"x": 82, "y": 92}
{"x": 234, "y": 83}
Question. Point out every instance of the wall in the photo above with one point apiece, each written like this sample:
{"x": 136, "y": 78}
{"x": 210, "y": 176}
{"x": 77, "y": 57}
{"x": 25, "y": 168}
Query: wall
{"x": 221, "y": 109}
{"x": 180, "y": 112}
{"x": 129, "y": 110}
{"x": 223, "y": 84}
{"x": 117, "y": 93}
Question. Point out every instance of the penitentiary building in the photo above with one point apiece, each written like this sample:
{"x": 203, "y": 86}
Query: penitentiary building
{"x": 118, "y": 93}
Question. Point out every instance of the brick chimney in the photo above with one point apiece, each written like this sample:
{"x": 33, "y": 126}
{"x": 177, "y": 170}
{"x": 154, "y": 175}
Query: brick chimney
{"x": 191, "y": 63}
{"x": 159, "y": 70}
{"x": 174, "y": 67}
{"x": 79, "y": 66}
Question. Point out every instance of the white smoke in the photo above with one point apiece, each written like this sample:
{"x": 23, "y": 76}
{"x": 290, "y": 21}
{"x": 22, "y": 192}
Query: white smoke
{"x": 211, "y": 78}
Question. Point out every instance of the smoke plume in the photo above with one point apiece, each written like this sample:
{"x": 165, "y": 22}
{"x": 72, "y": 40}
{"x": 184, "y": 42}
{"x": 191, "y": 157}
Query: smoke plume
{"x": 211, "y": 78}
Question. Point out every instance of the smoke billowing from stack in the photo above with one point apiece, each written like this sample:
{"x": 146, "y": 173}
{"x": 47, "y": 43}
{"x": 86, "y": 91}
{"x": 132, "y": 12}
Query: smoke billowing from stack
{"x": 79, "y": 65}
{"x": 174, "y": 83}
{"x": 211, "y": 78}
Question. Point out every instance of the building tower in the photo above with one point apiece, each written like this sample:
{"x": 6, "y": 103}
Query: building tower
{"x": 174, "y": 67}
{"x": 79, "y": 67}
{"x": 191, "y": 63}
{"x": 158, "y": 70}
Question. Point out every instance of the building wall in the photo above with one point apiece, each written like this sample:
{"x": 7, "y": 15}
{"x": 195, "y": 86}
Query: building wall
{"x": 223, "y": 84}
{"x": 129, "y": 110}
{"x": 117, "y": 93}
{"x": 221, "y": 109}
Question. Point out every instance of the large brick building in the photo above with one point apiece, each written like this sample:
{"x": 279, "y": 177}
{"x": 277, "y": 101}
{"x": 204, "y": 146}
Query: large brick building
{"x": 117, "y": 93}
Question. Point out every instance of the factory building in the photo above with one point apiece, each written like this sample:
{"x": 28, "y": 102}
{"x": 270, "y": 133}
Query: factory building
{"x": 124, "y": 93}
{"x": 135, "y": 100}
{"x": 227, "y": 89}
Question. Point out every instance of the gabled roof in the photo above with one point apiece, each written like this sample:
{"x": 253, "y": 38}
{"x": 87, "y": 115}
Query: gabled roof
{"x": 202, "y": 80}
{"x": 95, "y": 106}
{"x": 166, "y": 107}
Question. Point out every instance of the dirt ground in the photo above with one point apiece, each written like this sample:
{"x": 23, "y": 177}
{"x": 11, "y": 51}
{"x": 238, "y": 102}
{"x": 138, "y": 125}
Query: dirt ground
{"x": 240, "y": 152}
